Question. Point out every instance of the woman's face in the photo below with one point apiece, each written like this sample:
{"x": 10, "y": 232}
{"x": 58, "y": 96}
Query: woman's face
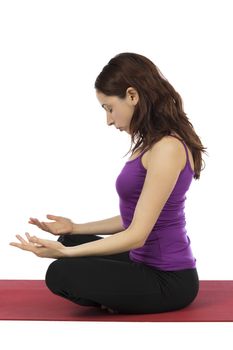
{"x": 119, "y": 111}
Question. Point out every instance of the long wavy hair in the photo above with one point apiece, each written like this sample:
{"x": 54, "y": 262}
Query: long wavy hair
{"x": 159, "y": 111}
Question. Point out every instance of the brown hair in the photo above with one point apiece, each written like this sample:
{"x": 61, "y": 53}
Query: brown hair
{"x": 159, "y": 111}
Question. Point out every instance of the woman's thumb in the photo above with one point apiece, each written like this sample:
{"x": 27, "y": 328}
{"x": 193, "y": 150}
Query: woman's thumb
{"x": 52, "y": 217}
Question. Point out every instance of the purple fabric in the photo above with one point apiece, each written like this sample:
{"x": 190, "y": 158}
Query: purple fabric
{"x": 168, "y": 245}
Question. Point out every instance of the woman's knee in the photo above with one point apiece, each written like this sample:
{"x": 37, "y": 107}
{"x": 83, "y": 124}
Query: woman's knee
{"x": 53, "y": 276}
{"x": 60, "y": 273}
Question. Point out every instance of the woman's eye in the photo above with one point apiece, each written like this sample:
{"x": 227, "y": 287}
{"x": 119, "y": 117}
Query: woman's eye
{"x": 109, "y": 109}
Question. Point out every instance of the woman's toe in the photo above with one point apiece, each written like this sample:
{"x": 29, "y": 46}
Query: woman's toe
{"x": 103, "y": 307}
{"x": 112, "y": 311}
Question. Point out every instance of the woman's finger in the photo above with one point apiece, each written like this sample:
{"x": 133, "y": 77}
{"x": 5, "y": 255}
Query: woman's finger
{"x": 52, "y": 217}
{"x": 28, "y": 236}
{"x": 45, "y": 226}
{"x": 39, "y": 242}
{"x": 18, "y": 245}
{"x": 33, "y": 221}
{"x": 42, "y": 225}
{"x": 23, "y": 246}
{"x": 38, "y": 223}
{"x": 21, "y": 239}
{"x": 32, "y": 239}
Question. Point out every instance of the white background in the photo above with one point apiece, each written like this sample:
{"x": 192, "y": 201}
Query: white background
{"x": 58, "y": 156}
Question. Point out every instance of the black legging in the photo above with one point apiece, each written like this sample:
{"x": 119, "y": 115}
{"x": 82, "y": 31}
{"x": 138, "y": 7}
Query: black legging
{"x": 119, "y": 283}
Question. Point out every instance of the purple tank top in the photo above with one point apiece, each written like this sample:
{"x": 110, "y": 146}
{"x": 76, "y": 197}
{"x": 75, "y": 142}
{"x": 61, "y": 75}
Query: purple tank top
{"x": 168, "y": 246}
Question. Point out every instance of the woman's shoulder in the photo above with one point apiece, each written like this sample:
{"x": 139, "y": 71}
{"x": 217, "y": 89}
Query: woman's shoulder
{"x": 166, "y": 141}
{"x": 175, "y": 144}
{"x": 167, "y": 145}
{"x": 173, "y": 139}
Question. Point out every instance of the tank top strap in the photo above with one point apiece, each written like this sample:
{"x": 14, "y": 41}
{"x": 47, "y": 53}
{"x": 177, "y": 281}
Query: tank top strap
{"x": 141, "y": 154}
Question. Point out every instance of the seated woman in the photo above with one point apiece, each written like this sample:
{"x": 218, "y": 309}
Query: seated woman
{"x": 146, "y": 263}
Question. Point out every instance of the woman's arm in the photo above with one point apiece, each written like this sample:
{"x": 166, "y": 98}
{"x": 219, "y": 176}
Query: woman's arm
{"x": 102, "y": 227}
{"x": 115, "y": 244}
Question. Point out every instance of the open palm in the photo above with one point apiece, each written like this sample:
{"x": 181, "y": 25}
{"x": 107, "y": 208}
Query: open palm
{"x": 61, "y": 225}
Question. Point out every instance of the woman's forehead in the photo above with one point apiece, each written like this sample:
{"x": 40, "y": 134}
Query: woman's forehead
{"x": 106, "y": 100}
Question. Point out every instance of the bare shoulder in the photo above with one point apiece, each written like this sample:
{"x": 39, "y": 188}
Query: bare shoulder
{"x": 168, "y": 138}
{"x": 167, "y": 149}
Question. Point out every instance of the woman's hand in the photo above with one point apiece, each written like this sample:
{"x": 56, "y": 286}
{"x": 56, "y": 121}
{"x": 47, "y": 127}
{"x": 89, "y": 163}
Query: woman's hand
{"x": 61, "y": 225}
{"x": 43, "y": 248}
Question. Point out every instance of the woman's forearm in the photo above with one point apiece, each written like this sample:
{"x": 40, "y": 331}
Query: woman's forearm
{"x": 115, "y": 244}
{"x": 102, "y": 227}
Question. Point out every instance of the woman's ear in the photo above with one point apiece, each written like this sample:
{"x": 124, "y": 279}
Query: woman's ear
{"x": 133, "y": 95}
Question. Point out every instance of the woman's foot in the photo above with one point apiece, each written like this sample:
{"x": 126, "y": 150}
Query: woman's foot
{"x": 103, "y": 307}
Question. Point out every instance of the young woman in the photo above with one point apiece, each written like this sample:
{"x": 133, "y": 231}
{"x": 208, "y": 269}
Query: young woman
{"x": 146, "y": 264}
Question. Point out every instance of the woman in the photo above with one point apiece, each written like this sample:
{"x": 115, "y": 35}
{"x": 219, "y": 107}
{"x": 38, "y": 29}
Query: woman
{"x": 146, "y": 264}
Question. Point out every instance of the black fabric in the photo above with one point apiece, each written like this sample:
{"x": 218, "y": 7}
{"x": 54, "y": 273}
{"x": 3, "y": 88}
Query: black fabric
{"x": 119, "y": 283}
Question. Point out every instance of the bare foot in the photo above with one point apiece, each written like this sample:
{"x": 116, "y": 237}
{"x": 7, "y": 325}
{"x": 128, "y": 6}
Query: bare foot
{"x": 103, "y": 307}
{"x": 112, "y": 311}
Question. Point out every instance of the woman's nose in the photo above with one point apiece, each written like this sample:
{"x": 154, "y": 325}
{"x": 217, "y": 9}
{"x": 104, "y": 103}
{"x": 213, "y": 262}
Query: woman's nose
{"x": 109, "y": 121}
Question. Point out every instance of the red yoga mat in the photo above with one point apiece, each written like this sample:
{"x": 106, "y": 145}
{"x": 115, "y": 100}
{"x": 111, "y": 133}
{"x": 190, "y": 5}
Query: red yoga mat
{"x": 32, "y": 300}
